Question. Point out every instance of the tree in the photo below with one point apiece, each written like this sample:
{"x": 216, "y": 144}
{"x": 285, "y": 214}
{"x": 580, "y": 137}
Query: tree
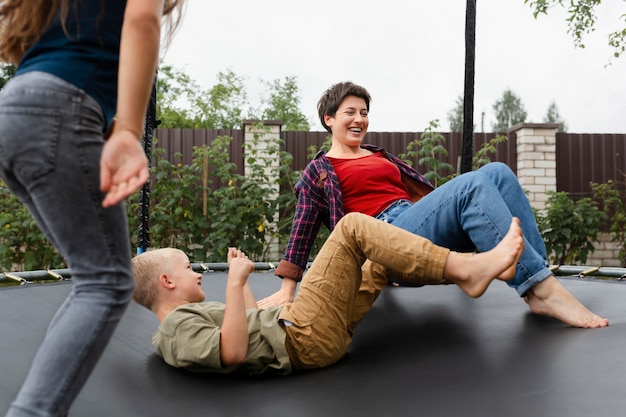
{"x": 509, "y": 111}
{"x": 581, "y": 21}
{"x": 283, "y": 104}
{"x": 226, "y": 104}
{"x": 182, "y": 103}
{"x": 175, "y": 90}
{"x": 553, "y": 116}
{"x": 455, "y": 116}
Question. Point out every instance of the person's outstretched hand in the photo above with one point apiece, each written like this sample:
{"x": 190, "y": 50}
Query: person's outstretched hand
{"x": 123, "y": 167}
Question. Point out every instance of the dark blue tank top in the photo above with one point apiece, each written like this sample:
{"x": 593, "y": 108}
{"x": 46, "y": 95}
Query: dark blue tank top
{"x": 89, "y": 57}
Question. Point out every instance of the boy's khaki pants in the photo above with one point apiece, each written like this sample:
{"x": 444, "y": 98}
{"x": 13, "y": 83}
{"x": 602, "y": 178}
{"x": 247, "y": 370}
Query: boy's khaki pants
{"x": 331, "y": 300}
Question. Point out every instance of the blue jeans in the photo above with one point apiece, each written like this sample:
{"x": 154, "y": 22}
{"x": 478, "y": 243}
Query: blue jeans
{"x": 474, "y": 212}
{"x": 51, "y": 140}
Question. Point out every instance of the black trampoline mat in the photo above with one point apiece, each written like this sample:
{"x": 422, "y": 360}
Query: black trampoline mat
{"x": 429, "y": 351}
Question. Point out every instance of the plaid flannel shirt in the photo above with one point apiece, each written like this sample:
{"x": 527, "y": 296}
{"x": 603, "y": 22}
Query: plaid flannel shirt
{"x": 320, "y": 201}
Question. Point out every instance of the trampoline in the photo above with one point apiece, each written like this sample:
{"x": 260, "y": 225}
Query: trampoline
{"x": 429, "y": 351}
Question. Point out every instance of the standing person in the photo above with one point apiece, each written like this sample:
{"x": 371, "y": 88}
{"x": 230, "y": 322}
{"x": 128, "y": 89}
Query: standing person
{"x": 79, "y": 64}
{"x": 471, "y": 212}
{"x": 317, "y": 328}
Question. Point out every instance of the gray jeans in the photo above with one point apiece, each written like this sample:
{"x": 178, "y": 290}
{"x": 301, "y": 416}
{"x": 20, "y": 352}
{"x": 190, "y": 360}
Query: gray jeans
{"x": 50, "y": 146}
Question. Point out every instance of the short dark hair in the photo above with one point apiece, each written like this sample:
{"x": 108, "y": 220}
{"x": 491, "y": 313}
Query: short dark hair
{"x": 332, "y": 98}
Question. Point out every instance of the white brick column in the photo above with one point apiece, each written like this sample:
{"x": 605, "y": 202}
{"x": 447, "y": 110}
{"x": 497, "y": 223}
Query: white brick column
{"x": 260, "y": 136}
{"x": 536, "y": 160}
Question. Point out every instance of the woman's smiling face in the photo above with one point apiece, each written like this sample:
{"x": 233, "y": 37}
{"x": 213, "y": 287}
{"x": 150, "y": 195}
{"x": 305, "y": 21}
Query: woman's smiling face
{"x": 349, "y": 125}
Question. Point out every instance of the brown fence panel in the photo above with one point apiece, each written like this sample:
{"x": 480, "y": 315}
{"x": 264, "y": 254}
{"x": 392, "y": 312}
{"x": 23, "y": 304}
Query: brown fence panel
{"x": 585, "y": 158}
{"x": 298, "y": 143}
{"x": 183, "y": 141}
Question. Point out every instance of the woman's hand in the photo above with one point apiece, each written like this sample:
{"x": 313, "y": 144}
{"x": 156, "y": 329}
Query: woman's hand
{"x": 281, "y": 297}
{"x": 123, "y": 167}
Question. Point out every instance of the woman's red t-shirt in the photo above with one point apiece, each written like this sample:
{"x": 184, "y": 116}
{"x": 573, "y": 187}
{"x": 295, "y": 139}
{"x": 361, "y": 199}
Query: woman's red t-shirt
{"x": 369, "y": 184}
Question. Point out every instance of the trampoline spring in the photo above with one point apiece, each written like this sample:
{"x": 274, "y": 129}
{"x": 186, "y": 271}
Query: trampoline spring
{"x": 56, "y": 275}
{"x": 15, "y": 278}
{"x": 589, "y": 271}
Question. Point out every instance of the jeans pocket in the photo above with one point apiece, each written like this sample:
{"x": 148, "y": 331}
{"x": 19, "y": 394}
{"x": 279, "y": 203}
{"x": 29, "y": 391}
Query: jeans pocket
{"x": 29, "y": 139}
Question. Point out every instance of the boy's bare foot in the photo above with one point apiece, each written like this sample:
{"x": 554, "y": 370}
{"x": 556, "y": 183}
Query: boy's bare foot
{"x": 474, "y": 274}
{"x": 551, "y": 298}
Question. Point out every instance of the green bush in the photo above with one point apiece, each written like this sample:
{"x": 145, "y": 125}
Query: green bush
{"x": 430, "y": 148}
{"x": 244, "y": 213}
{"x": 174, "y": 206}
{"x": 23, "y": 247}
{"x": 188, "y": 213}
{"x": 611, "y": 199}
{"x": 481, "y": 157}
{"x": 570, "y": 227}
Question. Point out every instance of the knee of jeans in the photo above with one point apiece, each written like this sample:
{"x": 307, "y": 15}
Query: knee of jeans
{"x": 498, "y": 168}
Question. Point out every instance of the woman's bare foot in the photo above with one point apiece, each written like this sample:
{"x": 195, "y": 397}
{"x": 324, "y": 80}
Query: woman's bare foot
{"x": 474, "y": 274}
{"x": 551, "y": 298}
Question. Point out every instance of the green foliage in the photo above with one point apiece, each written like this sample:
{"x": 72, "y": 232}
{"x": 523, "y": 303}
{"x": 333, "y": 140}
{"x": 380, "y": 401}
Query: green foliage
{"x": 283, "y": 104}
{"x": 312, "y": 150}
{"x": 617, "y": 40}
{"x": 570, "y": 227}
{"x": 455, "y": 116}
{"x": 581, "y": 21}
{"x": 23, "y": 247}
{"x": 172, "y": 87}
{"x": 7, "y": 71}
{"x": 553, "y": 116}
{"x": 481, "y": 157}
{"x": 175, "y": 207}
{"x": 189, "y": 213}
{"x": 245, "y": 212}
{"x": 581, "y": 15}
{"x": 612, "y": 199}
{"x": 181, "y": 103}
{"x": 225, "y": 105}
{"x": 509, "y": 111}
{"x": 430, "y": 148}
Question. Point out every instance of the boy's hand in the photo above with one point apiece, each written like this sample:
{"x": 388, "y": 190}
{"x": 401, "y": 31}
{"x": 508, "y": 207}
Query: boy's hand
{"x": 239, "y": 266}
{"x": 234, "y": 332}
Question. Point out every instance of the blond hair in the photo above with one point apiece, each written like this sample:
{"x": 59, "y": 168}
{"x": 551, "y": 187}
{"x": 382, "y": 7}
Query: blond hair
{"x": 147, "y": 268}
{"x": 22, "y": 22}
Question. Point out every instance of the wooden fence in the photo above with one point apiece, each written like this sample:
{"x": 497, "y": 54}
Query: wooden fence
{"x": 580, "y": 158}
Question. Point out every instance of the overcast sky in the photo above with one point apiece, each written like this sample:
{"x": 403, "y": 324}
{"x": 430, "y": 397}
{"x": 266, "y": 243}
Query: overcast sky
{"x": 410, "y": 55}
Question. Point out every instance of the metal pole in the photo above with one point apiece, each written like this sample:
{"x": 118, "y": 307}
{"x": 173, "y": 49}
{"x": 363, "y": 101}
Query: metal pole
{"x": 467, "y": 150}
{"x": 143, "y": 215}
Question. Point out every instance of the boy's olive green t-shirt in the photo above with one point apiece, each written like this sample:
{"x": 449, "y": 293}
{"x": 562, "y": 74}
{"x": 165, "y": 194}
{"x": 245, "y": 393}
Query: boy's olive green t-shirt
{"x": 189, "y": 337}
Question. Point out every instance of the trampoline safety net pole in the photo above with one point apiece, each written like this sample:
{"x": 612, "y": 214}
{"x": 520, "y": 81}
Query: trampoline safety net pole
{"x": 467, "y": 149}
{"x": 143, "y": 215}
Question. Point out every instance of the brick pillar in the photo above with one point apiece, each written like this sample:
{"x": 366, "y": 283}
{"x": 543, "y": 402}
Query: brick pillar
{"x": 536, "y": 160}
{"x": 261, "y": 137}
